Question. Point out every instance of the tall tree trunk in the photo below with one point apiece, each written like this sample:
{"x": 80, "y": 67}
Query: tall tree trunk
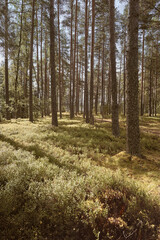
{"x": 133, "y": 134}
{"x": 42, "y": 83}
{"x": 124, "y": 74}
{"x": 71, "y": 60}
{"x": 38, "y": 89}
{"x": 6, "y": 61}
{"x": 46, "y": 79}
{"x": 120, "y": 73}
{"x": 102, "y": 86}
{"x": 142, "y": 76}
{"x": 109, "y": 89}
{"x": 78, "y": 81}
{"x": 18, "y": 56}
{"x": 150, "y": 89}
{"x": 115, "y": 119}
{"x": 156, "y": 83}
{"x": 86, "y": 63}
{"x": 31, "y": 66}
{"x": 52, "y": 65}
{"x": 97, "y": 90}
{"x": 59, "y": 63}
{"x": 92, "y": 63}
{"x": 74, "y": 64}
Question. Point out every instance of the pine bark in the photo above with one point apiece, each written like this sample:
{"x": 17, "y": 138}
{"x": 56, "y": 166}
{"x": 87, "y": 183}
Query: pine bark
{"x": 133, "y": 134}
{"x": 77, "y": 80}
{"x": 71, "y": 60}
{"x": 86, "y": 63}
{"x": 115, "y": 118}
{"x": 42, "y": 82}
{"x": 46, "y": 78}
{"x": 18, "y": 60}
{"x": 74, "y": 64}
{"x": 102, "y": 85}
{"x": 38, "y": 88}
{"x": 97, "y": 89}
{"x": 142, "y": 77}
{"x": 92, "y": 63}
{"x": 59, "y": 62}
{"x": 124, "y": 75}
{"x": 31, "y": 65}
{"x": 52, "y": 65}
{"x": 6, "y": 62}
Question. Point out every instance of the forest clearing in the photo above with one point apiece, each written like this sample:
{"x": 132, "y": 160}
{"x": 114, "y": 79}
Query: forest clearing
{"x": 76, "y": 181}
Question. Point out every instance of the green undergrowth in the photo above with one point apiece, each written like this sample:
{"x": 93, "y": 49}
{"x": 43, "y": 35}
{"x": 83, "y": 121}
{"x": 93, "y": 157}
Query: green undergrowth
{"x": 75, "y": 182}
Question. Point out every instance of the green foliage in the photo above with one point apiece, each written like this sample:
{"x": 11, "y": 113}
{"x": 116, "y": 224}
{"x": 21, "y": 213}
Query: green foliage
{"x": 57, "y": 188}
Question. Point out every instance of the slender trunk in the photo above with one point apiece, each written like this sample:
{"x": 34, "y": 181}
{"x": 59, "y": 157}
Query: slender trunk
{"x": 59, "y": 62}
{"x": 120, "y": 73}
{"x": 6, "y": 61}
{"x": 52, "y": 65}
{"x": 124, "y": 74}
{"x": 71, "y": 59}
{"x": 42, "y": 83}
{"x": 74, "y": 64}
{"x": 97, "y": 90}
{"x": 62, "y": 79}
{"x": 46, "y": 79}
{"x": 18, "y": 56}
{"x": 102, "y": 86}
{"x": 37, "y": 55}
{"x": 92, "y": 63}
{"x": 31, "y": 67}
{"x": 86, "y": 62}
{"x": 133, "y": 134}
{"x": 115, "y": 119}
{"x": 109, "y": 89}
{"x": 77, "y": 82}
{"x": 156, "y": 84}
{"x": 150, "y": 90}
{"x": 142, "y": 77}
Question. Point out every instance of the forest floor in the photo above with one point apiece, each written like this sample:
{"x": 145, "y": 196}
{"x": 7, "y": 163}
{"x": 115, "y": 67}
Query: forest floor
{"x": 75, "y": 137}
{"x": 76, "y": 147}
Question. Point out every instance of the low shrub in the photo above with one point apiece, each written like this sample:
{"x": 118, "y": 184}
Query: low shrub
{"x": 39, "y": 200}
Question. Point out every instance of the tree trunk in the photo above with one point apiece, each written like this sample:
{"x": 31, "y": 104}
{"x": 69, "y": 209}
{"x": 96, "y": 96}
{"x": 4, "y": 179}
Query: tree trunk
{"x": 71, "y": 59}
{"x": 92, "y": 63}
{"x": 42, "y": 83}
{"x": 46, "y": 79}
{"x": 142, "y": 77}
{"x": 86, "y": 63}
{"x": 133, "y": 134}
{"x": 78, "y": 81}
{"x": 109, "y": 89}
{"x": 150, "y": 90}
{"x": 115, "y": 120}
{"x": 102, "y": 86}
{"x": 31, "y": 67}
{"x": 156, "y": 84}
{"x": 97, "y": 90}
{"x": 6, "y": 61}
{"x": 124, "y": 74}
{"x": 119, "y": 89}
{"x": 74, "y": 64}
{"x": 18, "y": 56}
{"x": 52, "y": 65}
{"x": 59, "y": 62}
{"x": 37, "y": 55}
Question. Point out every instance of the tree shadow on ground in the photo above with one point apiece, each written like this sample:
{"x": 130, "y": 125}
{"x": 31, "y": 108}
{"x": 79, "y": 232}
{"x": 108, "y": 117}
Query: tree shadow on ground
{"x": 39, "y": 153}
